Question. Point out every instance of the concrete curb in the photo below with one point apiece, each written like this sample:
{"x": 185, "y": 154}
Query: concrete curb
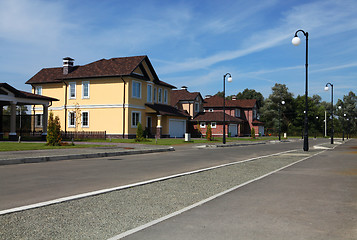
{"x": 80, "y": 156}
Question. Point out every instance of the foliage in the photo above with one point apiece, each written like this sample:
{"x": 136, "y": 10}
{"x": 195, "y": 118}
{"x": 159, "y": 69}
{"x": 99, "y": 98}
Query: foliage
{"x": 252, "y": 94}
{"x": 139, "y": 133}
{"x": 253, "y": 133}
{"x": 53, "y": 131}
{"x": 209, "y": 133}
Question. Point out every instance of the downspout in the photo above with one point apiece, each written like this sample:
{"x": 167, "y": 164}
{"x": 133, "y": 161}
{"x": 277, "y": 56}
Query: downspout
{"x": 123, "y": 108}
{"x": 65, "y": 108}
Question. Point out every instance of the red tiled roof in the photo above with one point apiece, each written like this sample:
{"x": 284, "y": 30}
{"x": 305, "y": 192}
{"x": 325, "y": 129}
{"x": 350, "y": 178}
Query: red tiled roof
{"x": 257, "y": 122}
{"x": 167, "y": 110}
{"x": 217, "y": 101}
{"x": 102, "y": 68}
{"x": 183, "y": 95}
{"x": 215, "y": 117}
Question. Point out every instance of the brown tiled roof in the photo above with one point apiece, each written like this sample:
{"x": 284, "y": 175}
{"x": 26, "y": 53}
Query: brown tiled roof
{"x": 102, "y": 68}
{"x": 215, "y": 117}
{"x": 257, "y": 122}
{"x": 217, "y": 101}
{"x": 22, "y": 94}
{"x": 167, "y": 110}
{"x": 183, "y": 95}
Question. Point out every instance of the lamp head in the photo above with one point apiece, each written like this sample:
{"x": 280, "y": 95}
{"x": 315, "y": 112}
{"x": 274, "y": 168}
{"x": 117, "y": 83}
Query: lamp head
{"x": 283, "y": 102}
{"x": 229, "y": 79}
{"x": 296, "y": 41}
{"x": 326, "y": 88}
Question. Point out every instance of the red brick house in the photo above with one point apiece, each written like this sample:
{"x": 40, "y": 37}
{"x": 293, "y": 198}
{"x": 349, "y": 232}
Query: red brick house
{"x": 240, "y": 115}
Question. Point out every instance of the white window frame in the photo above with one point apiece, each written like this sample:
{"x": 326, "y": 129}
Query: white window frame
{"x": 38, "y": 117}
{"x": 134, "y": 92}
{"x": 159, "y": 95}
{"x": 203, "y": 124}
{"x": 149, "y": 93}
{"x": 38, "y": 90}
{"x": 72, "y": 85}
{"x": 83, "y": 84}
{"x": 165, "y": 96}
{"x": 69, "y": 119}
{"x": 213, "y": 124}
{"x": 134, "y": 124}
{"x": 85, "y": 126}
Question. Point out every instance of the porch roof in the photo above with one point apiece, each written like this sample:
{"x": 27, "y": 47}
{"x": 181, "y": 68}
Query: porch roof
{"x": 216, "y": 117}
{"x": 167, "y": 110}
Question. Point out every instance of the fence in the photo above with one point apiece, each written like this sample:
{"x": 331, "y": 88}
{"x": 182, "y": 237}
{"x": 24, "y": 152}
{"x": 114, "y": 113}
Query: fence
{"x": 84, "y": 135}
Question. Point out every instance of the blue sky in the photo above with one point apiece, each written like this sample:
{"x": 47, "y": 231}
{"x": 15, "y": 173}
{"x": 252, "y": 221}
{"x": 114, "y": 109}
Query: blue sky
{"x": 191, "y": 43}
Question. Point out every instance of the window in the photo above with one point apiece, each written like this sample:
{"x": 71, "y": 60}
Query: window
{"x": 155, "y": 98}
{"x": 85, "y": 119}
{"x": 202, "y": 124}
{"x": 72, "y": 119}
{"x": 149, "y": 95}
{"x": 38, "y": 119}
{"x": 136, "y": 89}
{"x": 72, "y": 90}
{"x": 85, "y": 89}
{"x": 197, "y": 107}
{"x": 237, "y": 112}
{"x": 213, "y": 124}
{"x": 135, "y": 119}
{"x": 254, "y": 114}
{"x": 159, "y": 95}
{"x": 38, "y": 90}
{"x": 165, "y": 96}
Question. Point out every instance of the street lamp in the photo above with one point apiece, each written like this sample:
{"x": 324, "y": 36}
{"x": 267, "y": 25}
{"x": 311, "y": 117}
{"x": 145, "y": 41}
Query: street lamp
{"x": 296, "y": 41}
{"x": 343, "y": 122}
{"x": 326, "y": 89}
{"x": 224, "y": 103}
{"x": 282, "y": 103}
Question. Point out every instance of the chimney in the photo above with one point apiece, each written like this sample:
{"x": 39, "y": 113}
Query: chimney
{"x": 234, "y": 97}
{"x": 184, "y": 88}
{"x": 67, "y": 65}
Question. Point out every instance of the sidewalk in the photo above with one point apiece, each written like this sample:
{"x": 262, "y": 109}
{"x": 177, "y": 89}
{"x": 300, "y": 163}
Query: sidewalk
{"x": 108, "y": 150}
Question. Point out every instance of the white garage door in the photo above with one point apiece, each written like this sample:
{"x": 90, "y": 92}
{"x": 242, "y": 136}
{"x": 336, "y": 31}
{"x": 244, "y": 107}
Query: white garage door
{"x": 177, "y": 128}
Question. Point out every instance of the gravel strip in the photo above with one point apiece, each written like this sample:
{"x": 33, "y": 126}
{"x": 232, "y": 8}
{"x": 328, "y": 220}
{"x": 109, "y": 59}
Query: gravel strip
{"x": 107, "y": 215}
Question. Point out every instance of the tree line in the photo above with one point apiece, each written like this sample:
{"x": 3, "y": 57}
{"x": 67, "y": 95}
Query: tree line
{"x": 281, "y": 106}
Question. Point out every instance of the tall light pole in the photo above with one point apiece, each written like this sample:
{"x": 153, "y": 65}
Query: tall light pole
{"x": 326, "y": 89}
{"x": 280, "y": 104}
{"x": 224, "y": 103}
{"x": 296, "y": 41}
{"x": 343, "y": 121}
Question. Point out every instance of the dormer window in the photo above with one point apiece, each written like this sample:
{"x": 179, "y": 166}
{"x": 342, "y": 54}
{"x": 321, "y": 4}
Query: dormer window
{"x": 197, "y": 107}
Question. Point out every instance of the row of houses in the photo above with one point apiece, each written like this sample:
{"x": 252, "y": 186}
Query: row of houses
{"x": 114, "y": 95}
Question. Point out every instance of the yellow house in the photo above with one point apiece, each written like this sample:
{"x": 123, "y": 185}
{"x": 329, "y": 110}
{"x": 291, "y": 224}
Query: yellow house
{"x": 111, "y": 95}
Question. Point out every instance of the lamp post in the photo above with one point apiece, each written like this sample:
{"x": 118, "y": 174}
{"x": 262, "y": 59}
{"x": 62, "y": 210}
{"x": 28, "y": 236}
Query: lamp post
{"x": 296, "y": 41}
{"x": 282, "y": 103}
{"x": 343, "y": 122}
{"x": 224, "y": 103}
{"x": 326, "y": 89}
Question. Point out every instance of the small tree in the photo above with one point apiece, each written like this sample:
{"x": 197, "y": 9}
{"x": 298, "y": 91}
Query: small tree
{"x": 53, "y": 131}
{"x": 139, "y": 133}
{"x": 209, "y": 132}
{"x": 253, "y": 133}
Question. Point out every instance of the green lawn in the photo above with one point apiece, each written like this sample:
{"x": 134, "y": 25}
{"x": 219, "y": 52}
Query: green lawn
{"x": 15, "y": 146}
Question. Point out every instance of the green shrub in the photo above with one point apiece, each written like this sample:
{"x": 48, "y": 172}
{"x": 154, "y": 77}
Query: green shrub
{"x": 54, "y": 137}
{"x": 253, "y": 133}
{"x": 139, "y": 133}
{"x": 209, "y": 133}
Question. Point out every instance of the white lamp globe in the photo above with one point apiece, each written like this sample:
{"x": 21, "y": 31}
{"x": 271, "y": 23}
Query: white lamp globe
{"x": 296, "y": 41}
{"x": 229, "y": 79}
{"x": 326, "y": 88}
{"x": 283, "y": 102}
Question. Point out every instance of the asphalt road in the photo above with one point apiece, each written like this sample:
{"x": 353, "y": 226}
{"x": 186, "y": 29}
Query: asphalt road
{"x": 32, "y": 183}
{"x": 314, "y": 199}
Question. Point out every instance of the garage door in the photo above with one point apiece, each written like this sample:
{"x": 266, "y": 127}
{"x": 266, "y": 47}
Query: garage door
{"x": 177, "y": 128}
